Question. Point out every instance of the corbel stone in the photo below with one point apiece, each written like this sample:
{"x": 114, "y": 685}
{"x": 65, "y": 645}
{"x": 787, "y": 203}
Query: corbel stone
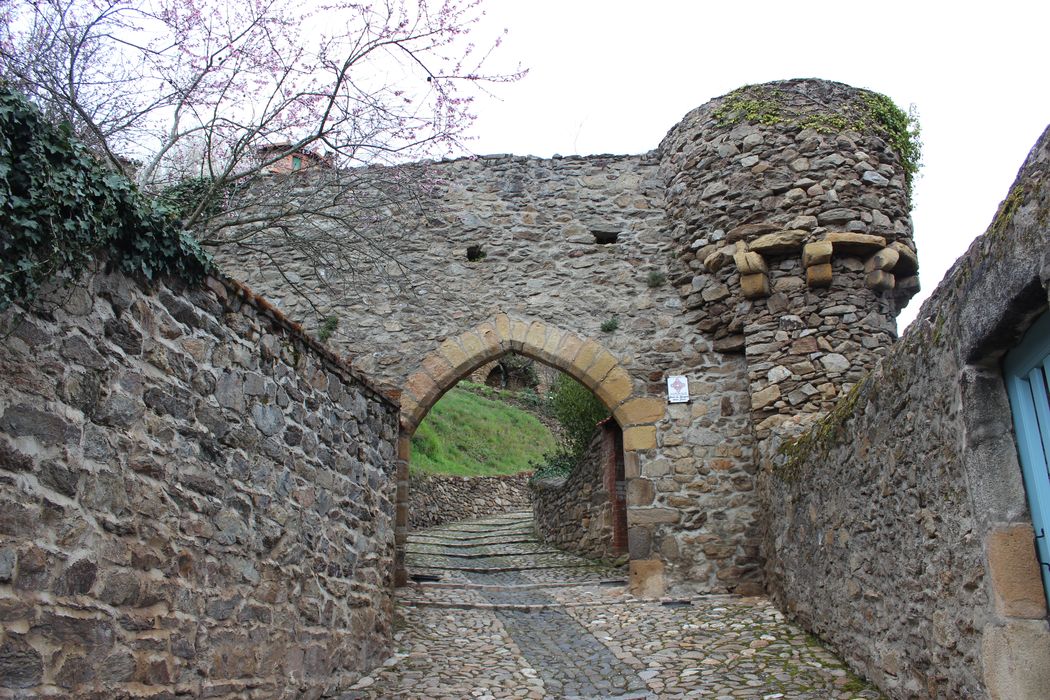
{"x": 880, "y": 281}
{"x": 779, "y": 243}
{"x": 879, "y": 266}
{"x": 885, "y": 260}
{"x": 818, "y": 275}
{"x": 749, "y": 262}
{"x": 907, "y": 262}
{"x": 754, "y": 283}
{"x": 816, "y": 253}
{"x": 717, "y": 260}
{"x": 855, "y": 243}
{"x": 755, "y": 286}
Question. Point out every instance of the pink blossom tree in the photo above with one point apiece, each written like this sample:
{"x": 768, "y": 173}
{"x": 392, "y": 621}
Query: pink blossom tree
{"x": 202, "y": 101}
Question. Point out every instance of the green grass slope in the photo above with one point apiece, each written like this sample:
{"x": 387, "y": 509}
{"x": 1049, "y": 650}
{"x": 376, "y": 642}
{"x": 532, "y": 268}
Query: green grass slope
{"x": 467, "y": 435}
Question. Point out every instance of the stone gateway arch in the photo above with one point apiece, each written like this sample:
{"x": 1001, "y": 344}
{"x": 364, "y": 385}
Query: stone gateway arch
{"x": 764, "y": 259}
{"x": 199, "y": 498}
{"x": 584, "y": 360}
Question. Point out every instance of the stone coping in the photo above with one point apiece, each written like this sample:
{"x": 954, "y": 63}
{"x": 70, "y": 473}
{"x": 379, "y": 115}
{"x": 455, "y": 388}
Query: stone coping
{"x": 220, "y": 283}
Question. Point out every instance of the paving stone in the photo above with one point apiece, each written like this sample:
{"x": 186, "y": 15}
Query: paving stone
{"x": 555, "y": 625}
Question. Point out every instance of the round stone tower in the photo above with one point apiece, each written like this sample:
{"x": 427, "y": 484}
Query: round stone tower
{"x": 789, "y": 205}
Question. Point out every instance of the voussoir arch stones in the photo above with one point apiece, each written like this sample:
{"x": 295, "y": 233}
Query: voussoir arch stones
{"x": 583, "y": 359}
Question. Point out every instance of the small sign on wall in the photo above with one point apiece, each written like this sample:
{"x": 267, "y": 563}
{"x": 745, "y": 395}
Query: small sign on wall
{"x": 677, "y": 389}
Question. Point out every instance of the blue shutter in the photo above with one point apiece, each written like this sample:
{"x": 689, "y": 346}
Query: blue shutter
{"x": 1027, "y": 374}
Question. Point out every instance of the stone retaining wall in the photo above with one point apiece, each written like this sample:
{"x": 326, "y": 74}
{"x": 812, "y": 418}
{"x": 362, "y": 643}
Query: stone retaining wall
{"x": 898, "y": 529}
{"x": 575, "y": 512}
{"x": 436, "y": 499}
{"x": 194, "y": 500}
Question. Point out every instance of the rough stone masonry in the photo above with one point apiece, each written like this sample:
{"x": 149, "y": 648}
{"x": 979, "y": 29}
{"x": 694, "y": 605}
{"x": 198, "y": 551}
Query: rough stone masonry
{"x": 198, "y": 500}
{"x": 766, "y": 262}
{"x": 194, "y": 500}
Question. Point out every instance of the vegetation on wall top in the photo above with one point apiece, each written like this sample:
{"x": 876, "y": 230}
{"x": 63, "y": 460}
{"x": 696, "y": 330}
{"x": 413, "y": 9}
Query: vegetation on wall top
{"x": 61, "y": 209}
{"x": 869, "y": 112}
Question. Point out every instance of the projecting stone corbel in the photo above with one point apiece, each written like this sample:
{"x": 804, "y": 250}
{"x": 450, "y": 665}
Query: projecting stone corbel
{"x": 906, "y": 272}
{"x": 816, "y": 258}
{"x": 878, "y": 269}
{"x": 754, "y": 281}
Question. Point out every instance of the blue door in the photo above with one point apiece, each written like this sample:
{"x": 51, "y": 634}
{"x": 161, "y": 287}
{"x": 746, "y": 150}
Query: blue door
{"x": 1027, "y": 374}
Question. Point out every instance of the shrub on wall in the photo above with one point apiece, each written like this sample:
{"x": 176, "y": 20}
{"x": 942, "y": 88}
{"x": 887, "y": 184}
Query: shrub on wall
{"x": 578, "y": 410}
{"x": 60, "y": 209}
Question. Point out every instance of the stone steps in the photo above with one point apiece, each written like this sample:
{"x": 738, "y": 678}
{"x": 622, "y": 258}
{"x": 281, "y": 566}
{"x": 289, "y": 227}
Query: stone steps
{"x": 502, "y": 569}
{"x": 483, "y": 555}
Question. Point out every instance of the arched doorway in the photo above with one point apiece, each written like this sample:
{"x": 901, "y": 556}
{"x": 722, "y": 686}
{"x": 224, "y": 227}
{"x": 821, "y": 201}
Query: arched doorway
{"x": 584, "y": 359}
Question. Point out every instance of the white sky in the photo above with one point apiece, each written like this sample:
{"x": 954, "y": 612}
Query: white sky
{"x": 613, "y": 76}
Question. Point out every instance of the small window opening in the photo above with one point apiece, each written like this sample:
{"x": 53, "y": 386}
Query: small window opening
{"x": 475, "y": 253}
{"x": 605, "y": 237}
{"x": 297, "y": 162}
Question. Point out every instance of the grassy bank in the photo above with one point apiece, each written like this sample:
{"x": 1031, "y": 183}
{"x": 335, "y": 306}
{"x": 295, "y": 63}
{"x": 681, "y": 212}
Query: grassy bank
{"x": 468, "y": 435}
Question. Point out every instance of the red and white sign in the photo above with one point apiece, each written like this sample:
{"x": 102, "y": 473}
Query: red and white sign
{"x": 677, "y": 389}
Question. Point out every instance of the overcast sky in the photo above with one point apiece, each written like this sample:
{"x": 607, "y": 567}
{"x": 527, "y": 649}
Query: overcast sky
{"x": 614, "y": 76}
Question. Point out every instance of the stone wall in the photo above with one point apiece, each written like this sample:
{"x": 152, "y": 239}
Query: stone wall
{"x": 898, "y": 529}
{"x": 436, "y": 499}
{"x": 194, "y": 500}
{"x": 575, "y": 512}
{"x": 765, "y": 260}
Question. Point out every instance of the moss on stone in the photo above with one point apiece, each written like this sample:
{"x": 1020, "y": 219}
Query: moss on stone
{"x": 869, "y": 112}
{"x": 819, "y": 439}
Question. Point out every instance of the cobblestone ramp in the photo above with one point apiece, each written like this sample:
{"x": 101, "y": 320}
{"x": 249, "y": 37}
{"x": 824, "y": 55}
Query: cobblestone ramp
{"x": 494, "y": 613}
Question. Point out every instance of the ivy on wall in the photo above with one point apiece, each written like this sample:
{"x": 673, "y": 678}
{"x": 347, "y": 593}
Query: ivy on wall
{"x": 61, "y": 209}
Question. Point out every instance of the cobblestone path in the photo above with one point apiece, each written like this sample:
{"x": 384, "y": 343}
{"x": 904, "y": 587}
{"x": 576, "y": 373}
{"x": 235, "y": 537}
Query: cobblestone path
{"x": 493, "y": 613}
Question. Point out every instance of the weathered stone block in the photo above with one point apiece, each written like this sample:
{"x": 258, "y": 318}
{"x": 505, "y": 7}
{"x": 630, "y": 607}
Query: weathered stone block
{"x": 615, "y": 388}
{"x": 502, "y": 324}
{"x": 716, "y": 260}
{"x": 535, "y": 339}
{"x": 549, "y": 351}
{"x": 21, "y": 666}
{"x": 1015, "y": 658}
{"x": 440, "y": 369}
{"x": 477, "y": 349}
{"x": 640, "y": 411}
{"x": 746, "y": 231}
{"x": 1017, "y": 586}
{"x": 818, "y": 276}
{"x": 816, "y": 253}
{"x": 765, "y": 397}
{"x": 907, "y": 262}
{"x": 640, "y": 492}
{"x": 779, "y": 243}
{"x": 855, "y": 243}
{"x": 885, "y": 259}
{"x": 646, "y": 578}
{"x": 603, "y": 363}
{"x": 652, "y": 516}
{"x": 21, "y": 420}
{"x": 585, "y": 358}
{"x": 879, "y": 281}
{"x": 455, "y": 355}
{"x": 749, "y": 263}
{"x": 754, "y": 286}
{"x": 639, "y": 437}
{"x": 423, "y": 388}
{"x": 518, "y": 332}
{"x": 568, "y": 349}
